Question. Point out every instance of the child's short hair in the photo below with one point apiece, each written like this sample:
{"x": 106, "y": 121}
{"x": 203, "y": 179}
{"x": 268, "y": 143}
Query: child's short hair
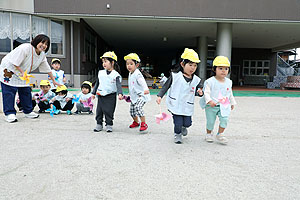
{"x": 87, "y": 85}
{"x": 178, "y": 67}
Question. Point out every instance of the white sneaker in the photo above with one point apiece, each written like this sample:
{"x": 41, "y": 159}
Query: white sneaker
{"x": 221, "y": 138}
{"x": 209, "y": 137}
{"x": 32, "y": 115}
{"x": 11, "y": 118}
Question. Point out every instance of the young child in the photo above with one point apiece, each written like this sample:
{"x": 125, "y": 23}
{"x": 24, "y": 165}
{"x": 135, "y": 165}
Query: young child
{"x": 84, "y": 97}
{"x": 62, "y": 100}
{"x": 44, "y": 96}
{"x": 107, "y": 87}
{"x": 138, "y": 90}
{"x": 163, "y": 79}
{"x": 182, "y": 87}
{"x": 218, "y": 99}
{"x": 58, "y": 74}
{"x": 20, "y": 105}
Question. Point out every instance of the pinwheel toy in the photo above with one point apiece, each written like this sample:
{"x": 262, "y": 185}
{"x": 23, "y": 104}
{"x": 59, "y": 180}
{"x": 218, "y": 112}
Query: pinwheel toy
{"x": 75, "y": 99}
{"x": 162, "y": 116}
{"x": 223, "y": 100}
{"x": 127, "y": 98}
{"x": 40, "y": 97}
{"x": 26, "y": 77}
{"x": 53, "y": 111}
{"x": 88, "y": 103}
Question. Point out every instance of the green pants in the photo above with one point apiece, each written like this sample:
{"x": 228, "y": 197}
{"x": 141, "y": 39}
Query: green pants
{"x": 211, "y": 115}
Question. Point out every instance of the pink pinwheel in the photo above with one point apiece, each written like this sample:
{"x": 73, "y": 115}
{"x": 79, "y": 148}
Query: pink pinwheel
{"x": 223, "y": 100}
{"x": 88, "y": 103}
{"x": 127, "y": 98}
{"x": 162, "y": 116}
{"x": 40, "y": 97}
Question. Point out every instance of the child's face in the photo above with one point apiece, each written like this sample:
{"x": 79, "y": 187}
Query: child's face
{"x": 45, "y": 88}
{"x": 222, "y": 72}
{"x": 60, "y": 94}
{"x": 131, "y": 66}
{"x": 107, "y": 64}
{"x": 84, "y": 90}
{"x": 189, "y": 68}
{"x": 56, "y": 66}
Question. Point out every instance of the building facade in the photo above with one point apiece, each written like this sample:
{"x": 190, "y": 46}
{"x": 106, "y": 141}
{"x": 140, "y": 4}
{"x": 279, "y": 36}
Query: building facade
{"x": 250, "y": 33}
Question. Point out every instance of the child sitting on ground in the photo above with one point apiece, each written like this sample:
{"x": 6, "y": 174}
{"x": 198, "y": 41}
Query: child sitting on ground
{"x": 85, "y": 103}
{"x": 44, "y": 96}
{"x": 62, "y": 100}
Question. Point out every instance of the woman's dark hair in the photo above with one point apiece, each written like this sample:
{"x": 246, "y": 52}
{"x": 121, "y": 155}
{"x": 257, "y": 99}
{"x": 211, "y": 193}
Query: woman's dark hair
{"x": 41, "y": 38}
{"x": 116, "y": 65}
{"x": 87, "y": 86}
{"x": 178, "y": 67}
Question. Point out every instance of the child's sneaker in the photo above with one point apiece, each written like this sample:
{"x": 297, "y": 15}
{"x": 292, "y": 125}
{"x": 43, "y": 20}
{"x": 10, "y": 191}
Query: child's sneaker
{"x": 32, "y": 115}
{"x": 69, "y": 112}
{"x": 221, "y": 138}
{"x": 77, "y": 112}
{"x": 209, "y": 137}
{"x": 184, "y": 131}
{"x": 134, "y": 124}
{"x": 178, "y": 138}
{"x": 91, "y": 112}
{"x": 98, "y": 128}
{"x": 143, "y": 127}
{"x": 109, "y": 128}
{"x": 42, "y": 111}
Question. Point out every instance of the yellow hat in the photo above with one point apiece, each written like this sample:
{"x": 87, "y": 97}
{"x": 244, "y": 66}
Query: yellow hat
{"x": 61, "y": 88}
{"x": 55, "y": 59}
{"x": 191, "y": 55}
{"x": 132, "y": 56}
{"x": 221, "y": 61}
{"x": 44, "y": 82}
{"x": 87, "y": 82}
{"x": 110, "y": 54}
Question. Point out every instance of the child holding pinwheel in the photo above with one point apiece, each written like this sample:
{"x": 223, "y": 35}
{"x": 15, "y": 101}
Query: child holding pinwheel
{"x": 85, "y": 103}
{"x": 62, "y": 100}
{"x": 218, "y": 99}
{"x": 57, "y": 73}
{"x": 44, "y": 96}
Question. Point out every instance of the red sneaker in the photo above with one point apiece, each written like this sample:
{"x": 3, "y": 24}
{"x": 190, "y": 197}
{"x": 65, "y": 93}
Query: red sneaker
{"x": 143, "y": 127}
{"x": 134, "y": 124}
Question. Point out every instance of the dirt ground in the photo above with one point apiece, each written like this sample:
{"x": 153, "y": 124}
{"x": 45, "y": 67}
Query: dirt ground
{"x": 61, "y": 157}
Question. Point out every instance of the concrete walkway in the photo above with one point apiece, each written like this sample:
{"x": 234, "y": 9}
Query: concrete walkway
{"x": 62, "y": 158}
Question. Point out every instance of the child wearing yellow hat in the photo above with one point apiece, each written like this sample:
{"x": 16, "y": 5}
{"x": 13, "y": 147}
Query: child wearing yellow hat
{"x": 85, "y": 103}
{"x": 57, "y": 73}
{"x": 106, "y": 88}
{"x": 182, "y": 87}
{"x": 138, "y": 90}
{"x": 62, "y": 100}
{"x": 44, "y": 96}
{"x": 218, "y": 99}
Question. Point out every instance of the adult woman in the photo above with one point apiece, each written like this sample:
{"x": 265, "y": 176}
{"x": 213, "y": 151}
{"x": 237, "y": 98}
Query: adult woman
{"x": 26, "y": 57}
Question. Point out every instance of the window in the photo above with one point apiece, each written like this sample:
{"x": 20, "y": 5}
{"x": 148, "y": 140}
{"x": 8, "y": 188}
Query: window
{"x": 21, "y": 29}
{"x": 57, "y": 31}
{"x": 256, "y": 67}
{"x": 90, "y": 46}
{"x": 5, "y": 32}
{"x": 16, "y": 28}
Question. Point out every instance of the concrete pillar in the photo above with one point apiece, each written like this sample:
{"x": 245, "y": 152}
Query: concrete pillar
{"x": 224, "y": 40}
{"x": 202, "y": 51}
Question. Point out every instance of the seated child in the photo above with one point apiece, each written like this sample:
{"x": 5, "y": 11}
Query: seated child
{"x": 44, "y": 96}
{"x": 20, "y": 105}
{"x": 85, "y": 103}
{"x": 62, "y": 100}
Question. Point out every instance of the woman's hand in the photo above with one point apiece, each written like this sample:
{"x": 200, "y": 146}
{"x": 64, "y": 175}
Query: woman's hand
{"x": 146, "y": 92}
{"x": 55, "y": 83}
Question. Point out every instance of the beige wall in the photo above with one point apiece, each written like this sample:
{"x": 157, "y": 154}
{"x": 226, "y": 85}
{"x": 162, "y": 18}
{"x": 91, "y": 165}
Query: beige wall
{"x": 17, "y": 5}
